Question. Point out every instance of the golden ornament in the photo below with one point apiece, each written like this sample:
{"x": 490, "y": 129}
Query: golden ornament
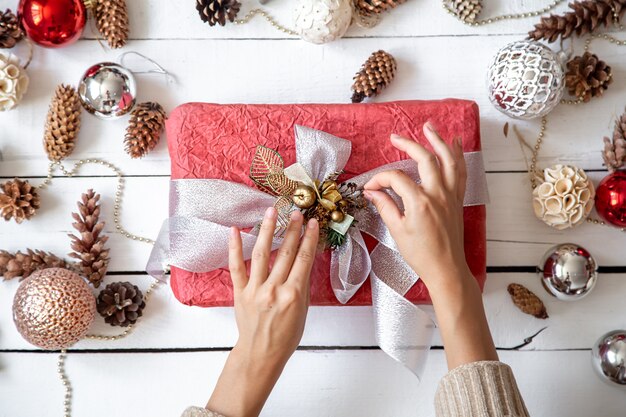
{"x": 337, "y": 216}
{"x": 304, "y": 196}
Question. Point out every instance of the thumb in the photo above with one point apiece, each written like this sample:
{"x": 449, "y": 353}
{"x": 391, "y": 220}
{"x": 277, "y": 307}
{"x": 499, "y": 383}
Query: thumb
{"x": 386, "y": 207}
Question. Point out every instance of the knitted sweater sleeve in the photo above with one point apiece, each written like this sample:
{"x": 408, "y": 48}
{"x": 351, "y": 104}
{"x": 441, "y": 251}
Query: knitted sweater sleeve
{"x": 480, "y": 389}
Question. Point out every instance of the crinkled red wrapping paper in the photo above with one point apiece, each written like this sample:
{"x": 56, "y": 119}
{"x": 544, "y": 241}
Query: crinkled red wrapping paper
{"x": 218, "y": 141}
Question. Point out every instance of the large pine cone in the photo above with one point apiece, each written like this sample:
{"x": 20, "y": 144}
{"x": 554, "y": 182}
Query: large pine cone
{"x": 19, "y": 200}
{"x": 218, "y": 11}
{"x": 18, "y": 264}
{"x": 466, "y": 10}
{"x": 112, "y": 21}
{"x": 377, "y": 72}
{"x": 120, "y": 303}
{"x": 144, "y": 129}
{"x": 614, "y": 153}
{"x": 587, "y": 76}
{"x": 527, "y": 301}
{"x": 62, "y": 123}
{"x": 10, "y": 30}
{"x": 586, "y": 16}
{"x": 366, "y": 7}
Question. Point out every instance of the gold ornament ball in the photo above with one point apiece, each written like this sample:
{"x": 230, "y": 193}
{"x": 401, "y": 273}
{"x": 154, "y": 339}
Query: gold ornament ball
{"x": 53, "y": 308}
{"x": 304, "y": 196}
{"x": 337, "y": 216}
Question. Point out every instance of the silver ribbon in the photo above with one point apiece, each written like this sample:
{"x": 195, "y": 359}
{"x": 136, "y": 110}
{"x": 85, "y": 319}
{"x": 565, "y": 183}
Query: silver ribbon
{"x": 195, "y": 238}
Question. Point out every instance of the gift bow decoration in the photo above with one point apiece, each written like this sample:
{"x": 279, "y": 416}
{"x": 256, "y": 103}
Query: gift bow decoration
{"x": 195, "y": 238}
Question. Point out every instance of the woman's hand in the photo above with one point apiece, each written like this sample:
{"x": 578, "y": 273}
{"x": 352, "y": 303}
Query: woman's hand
{"x": 270, "y": 309}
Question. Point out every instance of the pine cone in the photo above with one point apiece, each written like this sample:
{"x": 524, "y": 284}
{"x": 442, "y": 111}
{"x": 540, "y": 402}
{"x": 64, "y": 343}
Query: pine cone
{"x": 112, "y": 21}
{"x": 587, "y": 76}
{"x": 19, "y": 200}
{"x": 120, "y": 303}
{"x": 367, "y": 7}
{"x": 89, "y": 248}
{"x": 466, "y": 10}
{"x": 144, "y": 129}
{"x": 614, "y": 153}
{"x": 527, "y": 301}
{"x": 21, "y": 265}
{"x": 62, "y": 123}
{"x": 377, "y": 72}
{"x": 586, "y": 16}
{"x": 217, "y": 11}
{"x": 10, "y": 30}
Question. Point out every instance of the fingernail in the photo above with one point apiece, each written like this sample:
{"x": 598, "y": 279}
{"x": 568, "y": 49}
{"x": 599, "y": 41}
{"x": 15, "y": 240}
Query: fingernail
{"x": 429, "y": 126}
{"x": 296, "y": 215}
{"x": 395, "y": 136}
{"x": 233, "y": 232}
{"x": 312, "y": 224}
{"x": 270, "y": 213}
{"x": 367, "y": 195}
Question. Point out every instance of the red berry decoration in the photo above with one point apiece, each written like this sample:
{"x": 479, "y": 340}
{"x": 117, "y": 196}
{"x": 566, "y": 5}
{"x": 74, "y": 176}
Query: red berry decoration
{"x": 52, "y": 23}
{"x": 611, "y": 199}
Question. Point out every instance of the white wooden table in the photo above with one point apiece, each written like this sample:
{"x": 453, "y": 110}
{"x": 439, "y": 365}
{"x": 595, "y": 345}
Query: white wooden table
{"x": 174, "y": 356}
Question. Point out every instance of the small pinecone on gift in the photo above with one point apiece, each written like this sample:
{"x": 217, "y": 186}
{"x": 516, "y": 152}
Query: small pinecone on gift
{"x": 586, "y": 16}
{"x": 466, "y": 10}
{"x": 120, "y": 303}
{"x": 111, "y": 18}
{"x": 377, "y": 72}
{"x": 18, "y": 264}
{"x": 89, "y": 248}
{"x": 527, "y": 301}
{"x": 144, "y": 129}
{"x": 587, "y": 76}
{"x": 218, "y": 11}
{"x": 18, "y": 200}
{"x": 366, "y": 7}
{"x": 614, "y": 153}
{"x": 62, "y": 123}
{"x": 10, "y": 30}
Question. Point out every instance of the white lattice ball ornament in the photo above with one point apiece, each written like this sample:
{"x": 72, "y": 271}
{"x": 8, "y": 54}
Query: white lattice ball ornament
{"x": 525, "y": 80}
{"x": 13, "y": 82}
{"x": 564, "y": 197}
{"x": 322, "y": 21}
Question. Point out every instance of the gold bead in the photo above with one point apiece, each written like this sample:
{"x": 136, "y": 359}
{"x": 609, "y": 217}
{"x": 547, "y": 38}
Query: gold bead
{"x": 337, "y": 216}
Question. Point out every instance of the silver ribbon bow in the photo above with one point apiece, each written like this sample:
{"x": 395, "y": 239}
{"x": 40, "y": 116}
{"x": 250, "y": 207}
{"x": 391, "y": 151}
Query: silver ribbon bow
{"x": 195, "y": 238}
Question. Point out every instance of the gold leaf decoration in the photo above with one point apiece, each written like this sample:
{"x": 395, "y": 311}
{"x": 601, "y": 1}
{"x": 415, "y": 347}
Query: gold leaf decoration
{"x": 281, "y": 184}
{"x": 283, "y": 207}
{"x": 266, "y": 162}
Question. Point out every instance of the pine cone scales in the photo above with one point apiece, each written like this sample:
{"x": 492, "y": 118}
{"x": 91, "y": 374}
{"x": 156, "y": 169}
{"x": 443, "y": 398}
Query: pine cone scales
{"x": 10, "y": 30}
{"x": 89, "y": 248}
{"x": 62, "y": 123}
{"x": 112, "y": 21}
{"x": 18, "y": 264}
{"x": 466, "y": 10}
{"x": 527, "y": 301}
{"x": 146, "y": 124}
{"x": 120, "y": 303}
{"x": 19, "y": 200}
{"x": 587, "y": 76}
{"x": 377, "y": 72}
{"x": 586, "y": 16}
{"x": 218, "y": 11}
{"x": 377, "y": 6}
{"x": 614, "y": 152}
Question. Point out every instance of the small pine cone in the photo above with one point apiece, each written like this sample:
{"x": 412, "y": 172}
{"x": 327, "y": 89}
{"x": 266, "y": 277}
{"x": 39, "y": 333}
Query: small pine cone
{"x": 144, "y": 129}
{"x": 18, "y": 264}
{"x": 466, "y": 10}
{"x": 367, "y": 7}
{"x": 89, "y": 248}
{"x": 218, "y": 11}
{"x": 527, "y": 301}
{"x": 587, "y": 76}
{"x": 18, "y": 201}
{"x": 10, "y": 30}
{"x": 62, "y": 123}
{"x": 120, "y": 303}
{"x": 112, "y": 21}
{"x": 614, "y": 152}
{"x": 377, "y": 72}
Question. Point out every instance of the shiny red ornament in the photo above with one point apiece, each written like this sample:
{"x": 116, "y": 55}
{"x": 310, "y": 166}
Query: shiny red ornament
{"x": 52, "y": 23}
{"x": 611, "y": 199}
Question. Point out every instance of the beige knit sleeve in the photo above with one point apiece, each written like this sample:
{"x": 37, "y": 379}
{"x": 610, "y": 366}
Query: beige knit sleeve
{"x": 199, "y": 412}
{"x": 479, "y": 389}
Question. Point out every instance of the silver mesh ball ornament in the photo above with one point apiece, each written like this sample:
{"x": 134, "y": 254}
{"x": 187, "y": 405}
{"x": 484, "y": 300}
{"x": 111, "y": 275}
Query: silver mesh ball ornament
{"x": 525, "y": 80}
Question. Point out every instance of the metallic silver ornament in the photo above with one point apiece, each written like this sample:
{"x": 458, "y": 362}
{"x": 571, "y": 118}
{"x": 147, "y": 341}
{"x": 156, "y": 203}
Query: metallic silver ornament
{"x": 609, "y": 357}
{"x": 568, "y": 272}
{"x": 108, "y": 90}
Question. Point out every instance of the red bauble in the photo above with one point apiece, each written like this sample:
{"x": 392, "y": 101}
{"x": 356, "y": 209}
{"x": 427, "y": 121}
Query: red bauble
{"x": 52, "y": 23}
{"x": 611, "y": 199}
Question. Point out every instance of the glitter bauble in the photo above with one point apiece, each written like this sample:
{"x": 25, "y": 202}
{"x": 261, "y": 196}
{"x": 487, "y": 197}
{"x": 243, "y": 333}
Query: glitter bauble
{"x": 322, "y": 21}
{"x": 609, "y": 358}
{"x": 108, "y": 90}
{"x": 53, "y": 308}
{"x": 525, "y": 80}
{"x": 611, "y": 199}
{"x": 568, "y": 272}
{"x": 52, "y": 23}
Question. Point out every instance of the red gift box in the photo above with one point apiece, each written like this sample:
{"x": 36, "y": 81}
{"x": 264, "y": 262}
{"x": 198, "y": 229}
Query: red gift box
{"x": 218, "y": 141}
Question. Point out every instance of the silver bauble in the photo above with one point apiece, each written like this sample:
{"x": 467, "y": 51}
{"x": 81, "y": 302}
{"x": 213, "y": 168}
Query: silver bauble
{"x": 609, "y": 357}
{"x": 568, "y": 271}
{"x": 108, "y": 90}
{"x": 525, "y": 80}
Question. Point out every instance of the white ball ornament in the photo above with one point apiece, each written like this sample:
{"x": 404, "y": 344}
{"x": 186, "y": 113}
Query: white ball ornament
{"x": 322, "y": 21}
{"x": 13, "y": 82}
{"x": 525, "y": 80}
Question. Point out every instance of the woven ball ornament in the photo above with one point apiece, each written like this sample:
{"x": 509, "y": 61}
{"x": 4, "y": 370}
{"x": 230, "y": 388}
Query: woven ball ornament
{"x": 611, "y": 199}
{"x": 13, "y": 82}
{"x": 564, "y": 197}
{"x": 322, "y": 21}
{"x": 525, "y": 80}
{"x": 53, "y": 308}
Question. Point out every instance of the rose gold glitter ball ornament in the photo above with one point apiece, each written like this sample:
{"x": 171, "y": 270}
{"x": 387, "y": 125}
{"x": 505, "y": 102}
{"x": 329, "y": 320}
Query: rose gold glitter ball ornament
{"x": 53, "y": 308}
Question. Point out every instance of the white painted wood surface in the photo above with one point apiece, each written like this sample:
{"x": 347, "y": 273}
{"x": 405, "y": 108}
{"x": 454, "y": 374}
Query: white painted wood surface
{"x": 438, "y": 57}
